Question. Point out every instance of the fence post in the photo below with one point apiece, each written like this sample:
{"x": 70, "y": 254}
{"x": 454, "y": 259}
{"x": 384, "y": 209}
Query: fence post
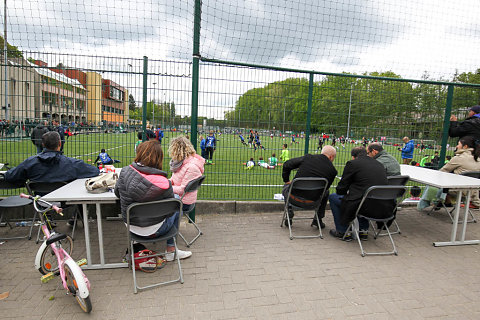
{"x": 309, "y": 112}
{"x": 195, "y": 72}
{"x": 144, "y": 107}
{"x": 446, "y": 125}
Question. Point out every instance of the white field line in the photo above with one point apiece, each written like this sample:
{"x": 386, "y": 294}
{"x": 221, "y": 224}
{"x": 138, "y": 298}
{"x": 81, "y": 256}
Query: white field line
{"x": 96, "y": 153}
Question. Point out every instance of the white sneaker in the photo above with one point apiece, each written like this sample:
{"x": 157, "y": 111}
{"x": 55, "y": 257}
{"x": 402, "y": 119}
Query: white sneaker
{"x": 181, "y": 254}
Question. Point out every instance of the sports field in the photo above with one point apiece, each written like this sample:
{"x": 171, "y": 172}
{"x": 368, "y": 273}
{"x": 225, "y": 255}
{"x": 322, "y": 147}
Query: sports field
{"x": 227, "y": 178}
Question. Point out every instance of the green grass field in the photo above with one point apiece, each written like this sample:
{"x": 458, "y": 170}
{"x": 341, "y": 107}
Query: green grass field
{"x": 226, "y": 179}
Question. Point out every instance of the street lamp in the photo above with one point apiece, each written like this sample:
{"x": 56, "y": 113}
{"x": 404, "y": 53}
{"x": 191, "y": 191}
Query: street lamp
{"x": 153, "y": 105}
{"x": 349, "y": 109}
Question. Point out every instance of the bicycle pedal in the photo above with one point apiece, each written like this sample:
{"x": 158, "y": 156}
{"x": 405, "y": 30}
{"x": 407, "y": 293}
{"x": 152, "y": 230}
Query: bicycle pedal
{"x": 49, "y": 276}
{"x": 82, "y": 262}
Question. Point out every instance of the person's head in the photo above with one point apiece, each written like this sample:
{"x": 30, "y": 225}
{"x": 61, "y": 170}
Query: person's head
{"x": 448, "y": 158}
{"x": 211, "y": 133}
{"x": 415, "y": 191}
{"x": 413, "y": 163}
{"x": 358, "y": 152}
{"x": 474, "y": 110}
{"x": 285, "y": 146}
{"x": 150, "y": 135}
{"x": 251, "y": 159}
{"x": 102, "y": 151}
{"x": 373, "y": 149}
{"x": 200, "y": 138}
{"x": 405, "y": 139}
{"x": 180, "y": 148}
{"x": 273, "y": 155}
{"x": 150, "y": 154}
{"x": 469, "y": 142}
{"x": 51, "y": 141}
{"x": 330, "y": 152}
{"x": 260, "y": 158}
{"x": 435, "y": 153}
{"x": 139, "y": 135}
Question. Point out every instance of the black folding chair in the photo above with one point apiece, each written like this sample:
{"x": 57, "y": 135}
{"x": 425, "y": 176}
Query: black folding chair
{"x": 36, "y": 188}
{"x": 386, "y": 192}
{"x": 393, "y": 181}
{"x": 137, "y": 214}
{"x": 304, "y": 184}
{"x": 13, "y": 202}
{"x": 191, "y": 187}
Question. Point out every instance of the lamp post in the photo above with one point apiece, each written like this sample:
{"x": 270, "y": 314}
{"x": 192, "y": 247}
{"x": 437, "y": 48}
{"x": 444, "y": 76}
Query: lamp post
{"x": 5, "y": 59}
{"x": 349, "y": 109}
{"x": 153, "y": 105}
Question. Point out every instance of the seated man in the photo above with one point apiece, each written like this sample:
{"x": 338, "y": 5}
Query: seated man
{"x": 359, "y": 174}
{"x": 50, "y": 165}
{"x": 319, "y": 165}
{"x": 375, "y": 151}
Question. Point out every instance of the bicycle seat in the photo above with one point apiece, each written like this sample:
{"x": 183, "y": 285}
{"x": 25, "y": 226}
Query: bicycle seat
{"x": 56, "y": 237}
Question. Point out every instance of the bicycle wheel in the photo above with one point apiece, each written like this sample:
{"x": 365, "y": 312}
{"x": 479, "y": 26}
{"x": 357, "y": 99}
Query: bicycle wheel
{"x": 84, "y": 303}
{"x": 48, "y": 261}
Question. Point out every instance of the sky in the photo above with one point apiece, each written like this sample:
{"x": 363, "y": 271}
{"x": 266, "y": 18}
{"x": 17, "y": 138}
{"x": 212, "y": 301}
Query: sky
{"x": 409, "y": 37}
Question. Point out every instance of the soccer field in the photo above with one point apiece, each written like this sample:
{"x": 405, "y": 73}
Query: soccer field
{"x": 226, "y": 179}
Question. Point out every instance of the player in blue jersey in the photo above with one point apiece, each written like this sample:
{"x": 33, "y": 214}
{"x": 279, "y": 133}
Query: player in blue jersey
{"x": 105, "y": 158}
{"x": 242, "y": 139}
{"x": 210, "y": 147}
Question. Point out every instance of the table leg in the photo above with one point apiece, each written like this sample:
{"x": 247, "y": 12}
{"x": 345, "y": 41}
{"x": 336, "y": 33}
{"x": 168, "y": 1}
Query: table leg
{"x": 87, "y": 234}
{"x": 453, "y": 237}
{"x": 100, "y": 234}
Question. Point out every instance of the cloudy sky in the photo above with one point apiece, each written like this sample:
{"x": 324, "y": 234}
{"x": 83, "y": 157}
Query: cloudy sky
{"x": 408, "y": 37}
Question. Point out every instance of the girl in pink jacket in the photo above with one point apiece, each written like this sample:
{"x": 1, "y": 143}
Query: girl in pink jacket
{"x": 185, "y": 165}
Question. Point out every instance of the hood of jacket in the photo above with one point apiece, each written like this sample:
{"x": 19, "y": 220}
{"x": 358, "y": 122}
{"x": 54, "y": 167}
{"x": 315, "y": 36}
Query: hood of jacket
{"x": 197, "y": 161}
{"x": 50, "y": 156}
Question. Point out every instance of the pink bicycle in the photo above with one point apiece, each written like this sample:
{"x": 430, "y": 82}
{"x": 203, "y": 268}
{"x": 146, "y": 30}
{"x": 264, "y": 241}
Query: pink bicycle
{"x": 53, "y": 257}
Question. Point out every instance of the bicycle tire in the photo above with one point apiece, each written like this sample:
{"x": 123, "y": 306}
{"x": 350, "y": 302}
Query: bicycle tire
{"x": 48, "y": 260}
{"x": 84, "y": 303}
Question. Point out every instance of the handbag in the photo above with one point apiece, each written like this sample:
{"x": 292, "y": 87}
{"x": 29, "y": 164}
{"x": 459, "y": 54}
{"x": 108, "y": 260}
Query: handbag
{"x": 101, "y": 183}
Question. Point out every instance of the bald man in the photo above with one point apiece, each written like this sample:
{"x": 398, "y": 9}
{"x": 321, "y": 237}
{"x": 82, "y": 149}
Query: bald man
{"x": 319, "y": 165}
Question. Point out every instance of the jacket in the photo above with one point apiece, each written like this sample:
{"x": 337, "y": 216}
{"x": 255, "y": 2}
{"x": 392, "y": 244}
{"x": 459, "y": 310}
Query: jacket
{"x": 192, "y": 168}
{"x": 463, "y": 161}
{"x": 309, "y": 165}
{"x": 391, "y": 165}
{"x": 50, "y": 166}
{"x": 138, "y": 183}
{"x": 468, "y": 127}
{"x": 37, "y": 134}
{"x": 359, "y": 175}
{"x": 407, "y": 150}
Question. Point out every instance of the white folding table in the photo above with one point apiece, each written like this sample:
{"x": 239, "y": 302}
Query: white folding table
{"x": 75, "y": 193}
{"x": 445, "y": 180}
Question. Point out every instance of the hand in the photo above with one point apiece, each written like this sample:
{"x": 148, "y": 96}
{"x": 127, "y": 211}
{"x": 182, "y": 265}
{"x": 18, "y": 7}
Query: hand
{"x": 288, "y": 182}
{"x": 453, "y": 118}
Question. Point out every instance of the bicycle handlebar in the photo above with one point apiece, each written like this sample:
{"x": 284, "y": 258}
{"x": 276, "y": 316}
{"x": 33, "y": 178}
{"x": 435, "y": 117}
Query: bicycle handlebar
{"x": 38, "y": 199}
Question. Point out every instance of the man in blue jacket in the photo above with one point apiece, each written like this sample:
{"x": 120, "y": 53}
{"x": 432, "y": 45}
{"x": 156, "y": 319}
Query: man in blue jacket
{"x": 407, "y": 150}
{"x": 50, "y": 165}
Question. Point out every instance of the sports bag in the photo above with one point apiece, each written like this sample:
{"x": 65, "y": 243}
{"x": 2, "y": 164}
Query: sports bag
{"x": 101, "y": 183}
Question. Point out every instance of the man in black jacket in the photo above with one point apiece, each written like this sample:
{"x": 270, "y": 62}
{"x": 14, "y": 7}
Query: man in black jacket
{"x": 319, "y": 165}
{"x": 359, "y": 174}
{"x": 468, "y": 127}
{"x": 37, "y": 134}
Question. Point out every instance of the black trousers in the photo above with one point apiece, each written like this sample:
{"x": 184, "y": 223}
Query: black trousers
{"x": 209, "y": 151}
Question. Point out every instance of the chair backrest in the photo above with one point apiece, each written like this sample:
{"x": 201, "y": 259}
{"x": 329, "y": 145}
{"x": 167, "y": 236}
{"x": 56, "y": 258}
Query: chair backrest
{"x": 144, "y": 214}
{"x": 398, "y": 180}
{"x": 473, "y": 174}
{"x": 309, "y": 184}
{"x": 193, "y": 185}
{"x": 386, "y": 192}
{"x": 36, "y": 188}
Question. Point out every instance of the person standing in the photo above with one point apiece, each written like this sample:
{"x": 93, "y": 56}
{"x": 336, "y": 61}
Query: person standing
{"x": 37, "y": 134}
{"x": 468, "y": 127}
{"x": 61, "y": 131}
{"x": 407, "y": 150}
{"x": 210, "y": 146}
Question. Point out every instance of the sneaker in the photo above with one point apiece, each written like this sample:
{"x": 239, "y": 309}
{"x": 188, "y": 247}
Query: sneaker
{"x": 363, "y": 234}
{"x": 340, "y": 235}
{"x": 70, "y": 223}
{"x": 471, "y": 206}
{"x": 314, "y": 223}
{"x": 181, "y": 254}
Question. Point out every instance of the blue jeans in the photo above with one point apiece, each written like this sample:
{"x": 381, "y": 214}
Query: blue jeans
{"x": 335, "y": 202}
{"x": 168, "y": 223}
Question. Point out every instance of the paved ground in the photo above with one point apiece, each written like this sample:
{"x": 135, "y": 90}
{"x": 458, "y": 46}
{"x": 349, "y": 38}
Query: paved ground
{"x": 246, "y": 267}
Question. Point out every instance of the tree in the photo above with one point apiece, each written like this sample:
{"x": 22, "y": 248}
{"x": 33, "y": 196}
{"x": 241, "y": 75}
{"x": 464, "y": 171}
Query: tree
{"x": 132, "y": 105}
{"x": 13, "y": 51}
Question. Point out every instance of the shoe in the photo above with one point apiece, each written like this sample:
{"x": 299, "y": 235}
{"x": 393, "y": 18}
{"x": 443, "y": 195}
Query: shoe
{"x": 70, "y": 223}
{"x": 340, "y": 235}
{"x": 363, "y": 234}
{"x": 471, "y": 206}
{"x": 314, "y": 224}
{"x": 181, "y": 254}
